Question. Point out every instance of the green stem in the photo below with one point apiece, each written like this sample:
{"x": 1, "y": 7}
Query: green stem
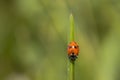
{"x": 71, "y": 70}
{"x": 71, "y": 28}
{"x": 71, "y": 63}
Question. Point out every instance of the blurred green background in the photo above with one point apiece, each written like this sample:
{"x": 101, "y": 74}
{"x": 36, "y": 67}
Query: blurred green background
{"x": 34, "y": 37}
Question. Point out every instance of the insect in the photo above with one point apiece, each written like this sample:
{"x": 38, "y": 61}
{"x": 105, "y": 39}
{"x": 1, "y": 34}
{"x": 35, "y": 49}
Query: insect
{"x": 73, "y": 50}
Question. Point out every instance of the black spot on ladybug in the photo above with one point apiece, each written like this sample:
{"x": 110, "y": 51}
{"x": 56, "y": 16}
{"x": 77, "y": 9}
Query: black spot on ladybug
{"x": 75, "y": 46}
{"x": 69, "y": 47}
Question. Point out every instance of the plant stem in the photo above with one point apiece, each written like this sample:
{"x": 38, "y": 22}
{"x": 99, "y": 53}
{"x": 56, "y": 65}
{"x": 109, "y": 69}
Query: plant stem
{"x": 71, "y": 28}
{"x": 71, "y": 63}
{"x": 71, "y": 70}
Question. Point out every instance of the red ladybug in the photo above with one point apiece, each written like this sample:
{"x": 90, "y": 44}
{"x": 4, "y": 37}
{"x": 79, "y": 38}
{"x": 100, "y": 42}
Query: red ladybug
{"x": 73, "y": 50}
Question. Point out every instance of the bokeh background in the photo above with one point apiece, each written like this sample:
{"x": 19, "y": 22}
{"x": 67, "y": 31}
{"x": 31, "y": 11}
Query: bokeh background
{"x": 34, "y": 36}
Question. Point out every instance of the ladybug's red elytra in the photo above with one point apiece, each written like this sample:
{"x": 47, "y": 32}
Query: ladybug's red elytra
{"x": 73, "y": 50}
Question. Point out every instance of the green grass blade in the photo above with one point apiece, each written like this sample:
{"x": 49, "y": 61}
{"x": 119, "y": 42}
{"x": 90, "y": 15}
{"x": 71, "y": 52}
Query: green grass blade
{"x": 71, "y": 28}
{"x": 71, "y": 72}
{"x": 71, "y": 63}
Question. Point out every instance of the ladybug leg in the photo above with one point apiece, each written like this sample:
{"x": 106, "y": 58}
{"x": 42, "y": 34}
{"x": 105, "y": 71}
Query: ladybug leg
{"x": 72, "y": 57}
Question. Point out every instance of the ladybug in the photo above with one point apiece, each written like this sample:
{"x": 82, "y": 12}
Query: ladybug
{"x": 73, "y": 50}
